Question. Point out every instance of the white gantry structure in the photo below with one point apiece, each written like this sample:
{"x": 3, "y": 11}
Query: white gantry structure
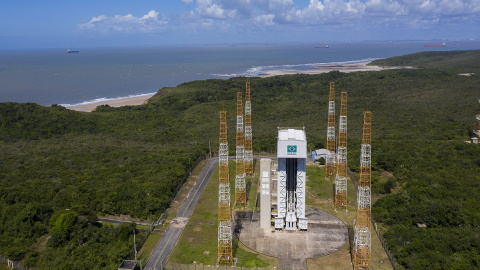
{"x": 292, "y": 154}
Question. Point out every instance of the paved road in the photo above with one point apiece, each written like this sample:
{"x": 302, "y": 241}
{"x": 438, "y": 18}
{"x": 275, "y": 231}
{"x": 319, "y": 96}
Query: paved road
{"x": 167, "y": 243}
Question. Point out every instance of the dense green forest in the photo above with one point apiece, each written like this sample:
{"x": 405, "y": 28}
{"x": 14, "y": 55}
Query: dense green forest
{"x": 60, "y": 169}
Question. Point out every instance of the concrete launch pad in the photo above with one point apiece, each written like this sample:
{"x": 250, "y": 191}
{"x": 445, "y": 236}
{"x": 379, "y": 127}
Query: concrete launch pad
{"x": 326, "y": 234}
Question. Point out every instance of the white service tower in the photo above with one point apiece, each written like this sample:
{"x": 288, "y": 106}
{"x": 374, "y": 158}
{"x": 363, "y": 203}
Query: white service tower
{"x": 292, "y": 155}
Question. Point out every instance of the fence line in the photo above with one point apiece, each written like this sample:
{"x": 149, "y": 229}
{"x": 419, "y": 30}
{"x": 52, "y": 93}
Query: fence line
{"x": 176, "y": 266}
{"x": 174, "y": 193}
{"x": 393, "y": 262}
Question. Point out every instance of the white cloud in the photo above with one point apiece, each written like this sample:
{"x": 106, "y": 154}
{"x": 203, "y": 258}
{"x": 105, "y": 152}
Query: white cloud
{"x": 230, "y": 16}
{"x": 214, "y": 9}
{"x": 149, "y": 22}
{"x": 386, "y": 7}
{"x": 265, "y": 20}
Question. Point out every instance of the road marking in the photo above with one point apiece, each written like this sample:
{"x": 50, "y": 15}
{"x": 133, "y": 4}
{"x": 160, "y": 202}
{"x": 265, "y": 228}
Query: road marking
{"x": 168, "y": 240}
{"x": 161, "y": 252}
{"x": 204, "y": 177}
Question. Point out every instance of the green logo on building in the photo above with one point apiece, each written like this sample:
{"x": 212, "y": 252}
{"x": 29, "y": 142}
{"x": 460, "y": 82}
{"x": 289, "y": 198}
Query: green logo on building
{"x": 291, "y": 149}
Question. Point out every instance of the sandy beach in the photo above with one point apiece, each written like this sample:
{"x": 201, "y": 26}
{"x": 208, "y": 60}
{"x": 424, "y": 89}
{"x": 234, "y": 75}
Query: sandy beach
{"x": 134, "y": 101}
{"x": 362, "y": 66}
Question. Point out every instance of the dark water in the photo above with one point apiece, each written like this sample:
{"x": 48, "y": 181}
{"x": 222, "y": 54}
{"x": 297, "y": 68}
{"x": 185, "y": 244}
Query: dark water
{"x": 55, "y": 77}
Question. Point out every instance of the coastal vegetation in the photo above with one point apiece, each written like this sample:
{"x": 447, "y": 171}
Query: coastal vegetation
{"x": 60, "y": 169}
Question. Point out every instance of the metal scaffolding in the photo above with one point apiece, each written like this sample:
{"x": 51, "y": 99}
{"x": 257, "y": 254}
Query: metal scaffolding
{"x": 330, "y": 161}
{"x": 240, "y": 176}
{"x": 476, "y": 130}
{"x": 248, "y": 132}
{"x": 341, "y": 177}
{"x": 362, "y": 245}
{"x": 362, "y": 255}
{"x": 225, "y": 252}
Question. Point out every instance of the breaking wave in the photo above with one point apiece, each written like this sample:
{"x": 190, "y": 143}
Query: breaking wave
{"x": 257, "y": 71}
{"x": 104, "y": 99}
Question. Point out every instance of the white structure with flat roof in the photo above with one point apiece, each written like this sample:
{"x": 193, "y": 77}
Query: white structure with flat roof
{"x": 265, "y": 193}
{"x": 292, "y": 155}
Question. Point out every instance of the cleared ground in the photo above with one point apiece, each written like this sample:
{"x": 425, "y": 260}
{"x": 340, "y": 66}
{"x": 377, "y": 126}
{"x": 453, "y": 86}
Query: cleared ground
{"x": 326, "y": 234}
{"x": 198, "y": 242}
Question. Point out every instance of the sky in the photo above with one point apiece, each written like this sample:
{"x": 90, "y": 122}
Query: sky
{"x": 104, "y": 23}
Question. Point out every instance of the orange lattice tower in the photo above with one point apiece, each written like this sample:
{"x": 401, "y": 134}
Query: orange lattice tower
{"x": 240, "y": 184}
{"x": 362, "y": 248}
{"x": 476, "y": 130}
{"x": 362, "y": 235}
{"x": 330, "y": 161}
{"x": 341, "y": 177}
{"x": 248, "y": 132}
{"x": 225, "y": 251}
{"x": 364, "y": 183}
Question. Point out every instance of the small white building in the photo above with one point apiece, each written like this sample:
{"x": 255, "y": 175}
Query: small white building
{"x": 320, "y": 153}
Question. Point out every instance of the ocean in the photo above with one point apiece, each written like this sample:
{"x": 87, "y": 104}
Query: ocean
{"x": 53, "y": 76}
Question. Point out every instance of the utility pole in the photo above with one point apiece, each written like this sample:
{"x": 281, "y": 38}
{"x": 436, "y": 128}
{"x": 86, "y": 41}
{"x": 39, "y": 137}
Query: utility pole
{"x": 134, "y": 245}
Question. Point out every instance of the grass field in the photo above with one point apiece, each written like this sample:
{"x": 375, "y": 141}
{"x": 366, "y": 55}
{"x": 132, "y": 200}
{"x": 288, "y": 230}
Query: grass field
{"x": 198, "y": 242}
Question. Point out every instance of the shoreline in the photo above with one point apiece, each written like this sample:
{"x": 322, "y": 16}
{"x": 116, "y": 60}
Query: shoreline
{"x": 139, "y": 100}
{"x": 130, "y": 101}
{"x": 346, "y": 68}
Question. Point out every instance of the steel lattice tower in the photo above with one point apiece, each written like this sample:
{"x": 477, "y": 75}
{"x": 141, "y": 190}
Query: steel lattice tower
{"x": 476, "y": 130}
{"x": 341, "y": 177}
{"x": 248, "y": 132}
{"x": 330, "y": 162}
{"x": 362, "y": 234}
{"x": 240, "y": 185}
{"x": 224, "y": 212}
{"x": 362, "y": 248}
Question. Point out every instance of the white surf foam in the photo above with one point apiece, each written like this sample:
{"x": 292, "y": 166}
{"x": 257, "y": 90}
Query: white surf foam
{"x": 256, "y": 71}
{"x": 105, "y": 99}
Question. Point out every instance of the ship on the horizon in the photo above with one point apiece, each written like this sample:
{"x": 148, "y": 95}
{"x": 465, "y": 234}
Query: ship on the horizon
{"x": 72, "y": 51}
{"x": 435, "y": 45}
{"x": 321, "y": 47}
